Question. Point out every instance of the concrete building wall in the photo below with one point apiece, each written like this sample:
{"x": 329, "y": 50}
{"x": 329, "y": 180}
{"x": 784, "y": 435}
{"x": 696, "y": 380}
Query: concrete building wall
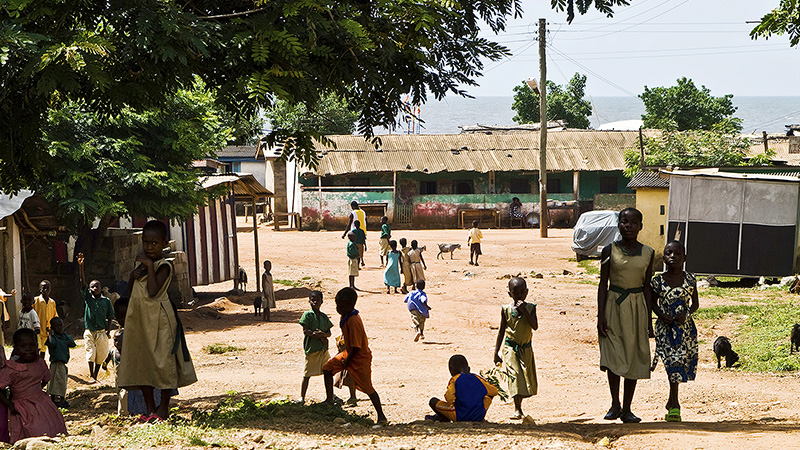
{"x": 653, "y": 203}
{"x": 257, "y": 168}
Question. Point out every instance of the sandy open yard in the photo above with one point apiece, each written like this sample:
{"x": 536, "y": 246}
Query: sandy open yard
{"x": 721, "y": 409}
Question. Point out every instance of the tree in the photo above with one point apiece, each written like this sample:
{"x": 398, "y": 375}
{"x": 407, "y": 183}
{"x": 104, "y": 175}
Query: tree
{"x": 691, "y": 149}
{"x": 785, "y": 19}
{"x": 684, "y": 107}
{"x": 135, "y": 54}
{"x": 563, "y": 103}
{"x": 332, "y": 116}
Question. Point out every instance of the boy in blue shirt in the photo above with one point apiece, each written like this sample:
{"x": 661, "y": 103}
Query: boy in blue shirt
{"x": 468, "y": 396}
{"x": 417, "y": 301}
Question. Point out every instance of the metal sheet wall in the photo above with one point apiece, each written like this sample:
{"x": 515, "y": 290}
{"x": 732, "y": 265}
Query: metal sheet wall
{"x": 210, "y": 243}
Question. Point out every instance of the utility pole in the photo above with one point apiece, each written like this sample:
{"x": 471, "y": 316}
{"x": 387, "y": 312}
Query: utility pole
{"x": 543, "y": 216}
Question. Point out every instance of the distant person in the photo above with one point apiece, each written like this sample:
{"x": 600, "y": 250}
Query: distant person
{"x": 391, "y": 275}
{"x": 468, "y": 396}
{"x": 675, "y": 300}
{"x": 352, "y": 259}
{"x": 267, "y": 292}
{"x": 59, "y": 343}
{"x": 474, "y": 243}
{"x": 45, "y": 308}
{"x": 4, "y": 317}
{"x": 416, "y": 263}
{"x": 515, "y": 209}
{"x": 97, "y": 316}
{"x": 386, "y": 234}
{"x": 405, "y": 265}
{"x": 518, "y": 321}
{"x": 361, "y": 241}
{"x": 28, "y": 317}
{"x": 357, "y": 357}
{"x": 316, "y": 330}
{"x": 417, "y": 303}
{"x": 357, "y": 214}
{"x": 624, "y": 300}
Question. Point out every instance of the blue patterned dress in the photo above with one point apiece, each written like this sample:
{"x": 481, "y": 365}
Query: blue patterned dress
{"x": 676, "y": 344}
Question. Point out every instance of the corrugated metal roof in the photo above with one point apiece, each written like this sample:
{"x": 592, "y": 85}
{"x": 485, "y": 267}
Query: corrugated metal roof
{"x": 244, "y": 184}
{"x": 240, "y": 151}
{"x": 566, "y": 151}
{"x": 9, "y": 204}
{"x": 650, "y": 180}
{"x": 714, "y": 173}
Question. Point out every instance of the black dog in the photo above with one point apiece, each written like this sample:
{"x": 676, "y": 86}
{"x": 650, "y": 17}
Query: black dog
{"x": 257, "y": 305}
{"x": 722, "y": 349}
{"x": 794, "y": 341}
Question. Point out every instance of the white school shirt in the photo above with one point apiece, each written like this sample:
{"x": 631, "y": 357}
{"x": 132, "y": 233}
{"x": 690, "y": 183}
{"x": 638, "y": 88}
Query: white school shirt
{"x": 28, "y": 320}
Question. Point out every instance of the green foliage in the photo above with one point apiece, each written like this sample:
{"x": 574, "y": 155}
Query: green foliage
{"x": 220, "y": 348}
{"x": 689, "y": 149}
{"x": 563, "y": 103}
{"x": 330, "y": 115}
{"x": 291, "y": 283}
{"x": 233, "y": 412}
{"x": 785, "y": 19}
{"x": 763, "y": 342}
{"x": 499, "y": 377}
{"x": 604, "y": 6}
{"x": 684, "y": 107}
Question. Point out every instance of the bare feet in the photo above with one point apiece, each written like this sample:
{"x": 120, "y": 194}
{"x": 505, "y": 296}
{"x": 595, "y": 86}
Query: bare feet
{"x": 416, "y": 338}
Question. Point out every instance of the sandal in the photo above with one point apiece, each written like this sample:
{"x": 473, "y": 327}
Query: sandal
{"x": 673, "y": 415}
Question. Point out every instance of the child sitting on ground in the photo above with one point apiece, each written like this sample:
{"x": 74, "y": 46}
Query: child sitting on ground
{"x": 518, "y": 321}
{"x": 386, "y": 234}
{"x": 317, "y": 329}
{"x": 31, "y": 412}
{"x": 352, "y": 259}
{"x": 59, "y": 344}
{"x": 357, "y": 357}
{"x": 417, "y": 302}
{"x": 267, "y": 291}
{"x": 391, "y": 276}
{"x": 474, "y": 242}
{"x": 468, "y": 396}
{"x": 27, "y": 315}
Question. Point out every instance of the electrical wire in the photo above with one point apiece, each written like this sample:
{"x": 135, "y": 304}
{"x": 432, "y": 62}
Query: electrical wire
{"x": 597, "y": 75}
{"x": 636, "y": 24}
{"x": 605, "y": 58}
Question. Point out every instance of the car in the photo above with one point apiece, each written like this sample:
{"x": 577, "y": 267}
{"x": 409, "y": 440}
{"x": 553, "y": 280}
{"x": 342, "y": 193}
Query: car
{"x": 593, "y": 231}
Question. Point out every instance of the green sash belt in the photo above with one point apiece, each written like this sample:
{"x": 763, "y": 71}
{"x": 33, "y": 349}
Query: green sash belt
{"x": 623, "y": 293}
{"x": 517, "y": 347}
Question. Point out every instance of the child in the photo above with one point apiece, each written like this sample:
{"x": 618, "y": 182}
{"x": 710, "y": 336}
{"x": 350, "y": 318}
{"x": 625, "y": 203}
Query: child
{"x": 352, "y": 257}
{"x": 518, "y": 321}
{"x": 59, "y": 344}
{"x": 154, "y": 350}
{"x": 267, "y": 291}
{"x": 468, "y": 396}
{"x": 46, "y": 310}
{"x": 361, "y": 241}
{"x": 405, "y": 265}
{"x": 623, "y": 314}
{"x": 474, "y": 242}
{"x": 31, "y": 411}
{"x": 391, "y": 276}
{"x": 418, "y": 307}
{"x": 97, "y": 317}
{"x": 386, "y": 234}
{"x": 343, "y": 379}
{"x": 317, "y": 329}
{"x": 4, "y": 317}
{"x": 357, "y": 357}
{"x": 416, "y": 263}
{"x": 115, "y": 356}
{"x": 675, "y": 294}
{"x": 27, "y": 316}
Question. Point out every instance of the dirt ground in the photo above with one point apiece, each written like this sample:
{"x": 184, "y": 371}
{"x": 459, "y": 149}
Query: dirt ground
{"x": 721, "y": 409}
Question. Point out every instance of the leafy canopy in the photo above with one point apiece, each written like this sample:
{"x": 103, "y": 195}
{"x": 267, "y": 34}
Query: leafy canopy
{"x": 563, "y": 103}
{"x": 332, "y": 115}
{"x": 685, "y": 107}
{"x": 109, "y": 56}
{"x": 785, "y": 19}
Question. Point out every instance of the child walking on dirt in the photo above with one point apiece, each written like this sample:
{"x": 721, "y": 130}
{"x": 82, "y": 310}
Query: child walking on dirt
{"x": 316, "y": 329}
{"x": 155, "y": 355}
{"x": 417, "y": 302}
{"x": 624, "y": 300}
{"x": 416, "y": 263}
{"x": 357, "y": 357}
{"x": 518, "y": 321}
{"x": 391, "y": 276}
{"x": 405, "y": 265}
{"x": 267, "y": 291}
{"x": 474, "y": 243}
{"x": 361, "y": 241}
{"x": 97, "y": 317}
{"x": 386, "y": 234}
{"x": 352, "y": 259}
{"x": 675, "y": 295}
{"x": 59, "y": 344}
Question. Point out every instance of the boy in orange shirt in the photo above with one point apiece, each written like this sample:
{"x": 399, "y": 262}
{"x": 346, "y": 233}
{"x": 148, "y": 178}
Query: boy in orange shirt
{"x": 357, "y": 357}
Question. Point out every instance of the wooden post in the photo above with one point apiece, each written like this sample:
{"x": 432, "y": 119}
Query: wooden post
{"x": 766, "y": 142}
{"x": 576, "y": 185}
{"x": 394, "y": 197}
{"x": 543, "y": 216}
{"x": 255, "y": 244}
{"x": 319, "y": 196}
{"x": 641, "y": 150}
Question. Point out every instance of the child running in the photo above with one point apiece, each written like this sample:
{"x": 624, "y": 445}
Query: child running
{"x": 357, "y": 357}
{"x": 623, "y": 313}
{"x": 405, "y": 265}
{"x": 31, "y": 413}
{"x": 416, "y": 263}
{"x": 59, "y": 344}
{"x": 518, "y": 321}
{"x": 154, "y": 350}
{"x": 97, "y": 317}
{"x": 352, "y": 259}
{"x": 417, "y": 302}
{"x": 468, "y": 396}
{"x": 386, "y": 234}
{"x": 317, "y": 329}
{"x": 361, "y": 241}
{"x": 391, "y": 276}
{"x": 27, "y": 315}
{"x": 675, "y": 295}
{"x": 267, "y": 291}
{"x": 46, "y": 310}
{"x": 474, "y": 243}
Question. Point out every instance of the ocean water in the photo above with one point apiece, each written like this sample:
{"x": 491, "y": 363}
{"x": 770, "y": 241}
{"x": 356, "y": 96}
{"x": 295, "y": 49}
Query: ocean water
{"x": 759, "y": 114}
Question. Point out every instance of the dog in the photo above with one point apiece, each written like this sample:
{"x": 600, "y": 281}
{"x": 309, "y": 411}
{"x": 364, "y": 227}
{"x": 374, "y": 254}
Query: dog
{"x": 444, "y": 248}
{"x": 722, "y": 349}
{"x": 257, "y": 305}
{"x": 794, "y": 341}
{"x": 242, "y": 277}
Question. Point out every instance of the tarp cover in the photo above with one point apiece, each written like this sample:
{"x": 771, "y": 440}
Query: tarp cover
{"x": 595, "y": 229}
{"x": 11, "y": 204}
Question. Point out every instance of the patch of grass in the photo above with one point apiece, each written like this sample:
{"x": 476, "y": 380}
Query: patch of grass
{"x": 233, "y": 412}
{"x": 763, "y": 342}
{"x": 728, "y": 279}
{"x": 156, "y": 435}
{"x": 195, "y": 441}
{"x": 290, "y": 283}
{"x": 717, "y": 312}
{"x": 220, "y": 348}
{"x": 592, "y": 282}
{"x": 590, "y": 266}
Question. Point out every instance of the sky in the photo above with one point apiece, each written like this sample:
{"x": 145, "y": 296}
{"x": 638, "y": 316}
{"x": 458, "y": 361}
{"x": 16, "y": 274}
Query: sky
{"x": 649, "y": 43}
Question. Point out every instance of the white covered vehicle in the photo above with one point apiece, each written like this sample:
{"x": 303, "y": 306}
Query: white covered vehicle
{"x": 594, "y": 230}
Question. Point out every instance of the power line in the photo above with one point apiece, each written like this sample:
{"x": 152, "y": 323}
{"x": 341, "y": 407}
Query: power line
{"x": 637, "y": 24}
{"x": 677, "y": 55}
{"x": 513, "y": 55}
{"x": 597, "y": 75}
